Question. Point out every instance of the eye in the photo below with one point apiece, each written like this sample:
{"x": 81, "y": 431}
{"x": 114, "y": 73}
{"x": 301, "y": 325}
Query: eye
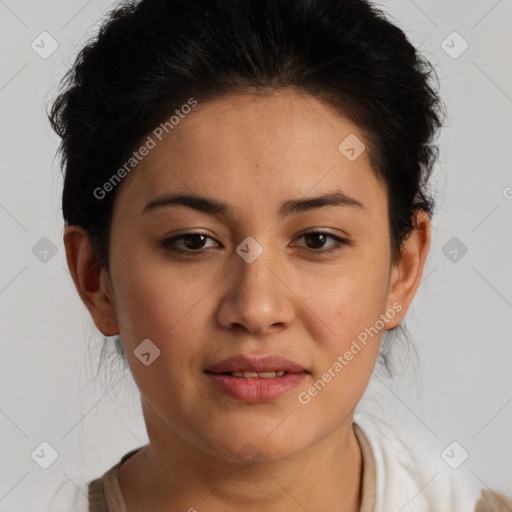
{"x": 192, "y": 242}
{"x": 195, "y": 242}
{"x": 314, "y": 239}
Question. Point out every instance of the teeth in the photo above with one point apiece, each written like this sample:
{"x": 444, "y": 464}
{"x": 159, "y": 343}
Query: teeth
{"x": 260, "y": 375}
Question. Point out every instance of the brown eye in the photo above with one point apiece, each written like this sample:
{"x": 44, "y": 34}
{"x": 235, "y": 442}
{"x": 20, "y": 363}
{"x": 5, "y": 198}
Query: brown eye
{"x": 315, "y": 240}
{"x": 194, "y": 241}
{"x": 187, "y": 242}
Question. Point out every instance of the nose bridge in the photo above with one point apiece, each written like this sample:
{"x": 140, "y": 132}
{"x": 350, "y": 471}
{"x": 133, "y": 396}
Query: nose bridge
{"x": 254, "y": 276}
{"x": 255, "y": 297}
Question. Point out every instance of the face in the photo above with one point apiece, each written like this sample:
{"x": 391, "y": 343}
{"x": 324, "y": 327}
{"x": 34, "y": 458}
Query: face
{"x": 248, "y": 278}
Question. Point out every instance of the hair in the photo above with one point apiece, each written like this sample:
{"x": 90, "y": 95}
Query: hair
{"x": 150, "y": 57}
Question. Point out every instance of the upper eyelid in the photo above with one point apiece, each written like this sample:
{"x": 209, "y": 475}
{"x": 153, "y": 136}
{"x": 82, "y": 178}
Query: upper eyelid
{"x": 336, "y": 238}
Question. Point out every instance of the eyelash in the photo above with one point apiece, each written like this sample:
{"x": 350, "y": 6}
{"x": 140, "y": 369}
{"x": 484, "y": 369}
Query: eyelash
{"x": 168, "y": 242}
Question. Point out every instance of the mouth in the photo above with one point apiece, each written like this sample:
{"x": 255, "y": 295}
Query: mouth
{"x": 250, "y": 379}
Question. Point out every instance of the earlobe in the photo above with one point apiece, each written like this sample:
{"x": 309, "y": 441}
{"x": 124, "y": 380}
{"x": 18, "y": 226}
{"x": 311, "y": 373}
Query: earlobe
{"x": 91, "y": 280}
{"x": 407, "y": 273}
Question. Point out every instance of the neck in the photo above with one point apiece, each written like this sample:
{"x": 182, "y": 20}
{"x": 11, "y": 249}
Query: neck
{"x": 172, "y": 473}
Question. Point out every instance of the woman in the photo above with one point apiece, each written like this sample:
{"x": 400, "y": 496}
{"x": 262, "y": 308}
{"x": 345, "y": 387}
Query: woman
{"x": 247, "y": 209}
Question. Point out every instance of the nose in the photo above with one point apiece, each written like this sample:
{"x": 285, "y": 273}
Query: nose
{"x": 257, "y": 297}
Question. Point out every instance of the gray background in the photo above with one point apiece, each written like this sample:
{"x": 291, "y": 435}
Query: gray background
{"x": 460, "y": 319}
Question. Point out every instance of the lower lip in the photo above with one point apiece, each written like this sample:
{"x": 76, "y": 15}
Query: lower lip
{"x": 256, "y": 389}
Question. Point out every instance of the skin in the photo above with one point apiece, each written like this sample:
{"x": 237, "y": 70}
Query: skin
{"x": 252, "y": 152}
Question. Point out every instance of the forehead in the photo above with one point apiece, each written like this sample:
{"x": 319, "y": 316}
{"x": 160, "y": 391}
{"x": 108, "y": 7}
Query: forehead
{"x": 268, "y": 146}
{"x": 281, "y": 124}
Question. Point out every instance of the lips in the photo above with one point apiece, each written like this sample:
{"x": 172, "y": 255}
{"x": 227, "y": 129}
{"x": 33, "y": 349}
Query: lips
{"x": 255, "y": 379}
{"x": 256, "y": 367}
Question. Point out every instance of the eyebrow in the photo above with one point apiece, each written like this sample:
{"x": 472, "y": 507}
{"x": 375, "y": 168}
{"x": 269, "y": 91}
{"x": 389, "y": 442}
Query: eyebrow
{"x": 214, "y": 207}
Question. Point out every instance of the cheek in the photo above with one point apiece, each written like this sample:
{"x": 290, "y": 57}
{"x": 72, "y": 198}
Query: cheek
{"x": 160, "y": 309}
{"x": 167, "y": 306}
{"x": 351, "y": 346}
{"x": 352, "y": 297}
{"x": 350, "y": 306}
{"x": 152, "y": 300}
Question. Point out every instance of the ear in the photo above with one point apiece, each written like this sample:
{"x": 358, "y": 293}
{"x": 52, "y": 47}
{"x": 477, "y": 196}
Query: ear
{"x": 91, "y": 281}
{"x": 406, "y": 273}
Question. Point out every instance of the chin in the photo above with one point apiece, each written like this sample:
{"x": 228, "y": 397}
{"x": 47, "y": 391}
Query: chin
{"x": 254, "y": 445}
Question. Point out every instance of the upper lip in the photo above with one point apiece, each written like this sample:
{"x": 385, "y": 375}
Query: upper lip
{"x": 268, "y": 363}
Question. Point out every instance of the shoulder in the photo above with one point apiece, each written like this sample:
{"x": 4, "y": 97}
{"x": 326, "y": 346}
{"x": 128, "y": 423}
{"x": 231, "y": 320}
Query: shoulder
{"x": 411, "y": 476}
{"x": 92, "y": 495}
